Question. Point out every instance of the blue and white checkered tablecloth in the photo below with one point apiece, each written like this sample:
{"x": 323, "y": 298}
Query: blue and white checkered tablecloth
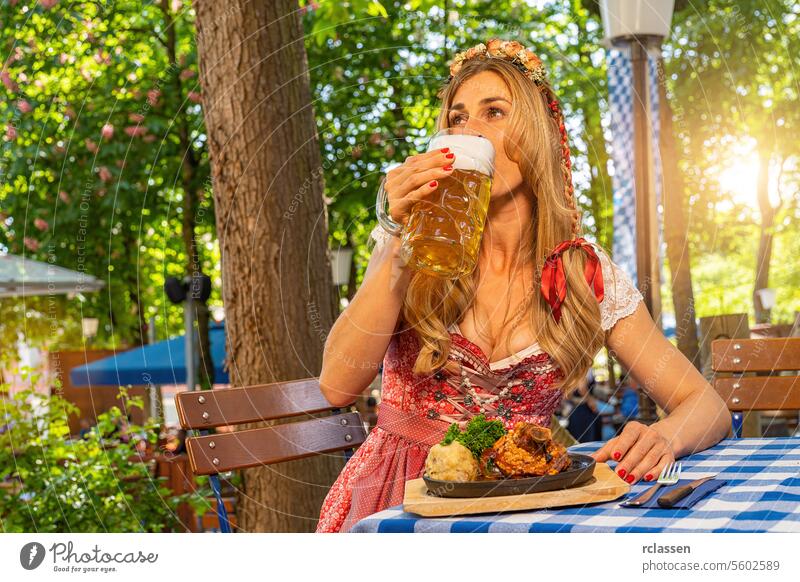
{"x": 762, "y": 495}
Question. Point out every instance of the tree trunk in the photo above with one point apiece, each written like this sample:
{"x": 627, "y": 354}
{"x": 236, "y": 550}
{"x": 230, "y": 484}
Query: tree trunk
{"x": 765, "y": 240}
{"x": 272, "y": 227}
{"x": 675, "y": 233}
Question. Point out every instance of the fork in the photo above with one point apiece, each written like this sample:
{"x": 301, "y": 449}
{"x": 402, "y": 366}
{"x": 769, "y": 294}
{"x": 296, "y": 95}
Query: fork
{"x": 670, "y": 475}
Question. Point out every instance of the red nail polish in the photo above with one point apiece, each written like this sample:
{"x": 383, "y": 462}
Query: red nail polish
{"x": 621, "y": 473}
{"x": 447, "y": 168}
{"x": 648, "y": 477}
{"x": 433, "y": 184}
{"x": 445, "y": 150}
{"x": 617, "y": 455}
{"x": 450, "y": 156}
{"x": 630, "y": 478}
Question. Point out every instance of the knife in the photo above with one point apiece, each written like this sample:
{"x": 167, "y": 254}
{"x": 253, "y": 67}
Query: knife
{"x": 671, "y": 498}
{"x": 643, "y": 498}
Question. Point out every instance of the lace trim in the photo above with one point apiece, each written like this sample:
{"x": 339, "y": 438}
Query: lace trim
{"x": 621, "y": 296}
{"x": 508, "y": 361}
{"x": 379, "y": 235}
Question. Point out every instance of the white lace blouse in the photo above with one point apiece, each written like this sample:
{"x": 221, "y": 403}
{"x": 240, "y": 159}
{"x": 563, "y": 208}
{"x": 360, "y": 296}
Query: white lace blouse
{"x": 621, "y": 296}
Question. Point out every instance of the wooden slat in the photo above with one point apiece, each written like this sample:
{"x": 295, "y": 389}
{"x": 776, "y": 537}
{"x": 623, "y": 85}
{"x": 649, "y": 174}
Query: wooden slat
{"x": 760, "y": 392}
{"x": 231, "y": 406}
{"x": 265, "y": 446}
{"x": 756, "y": 355}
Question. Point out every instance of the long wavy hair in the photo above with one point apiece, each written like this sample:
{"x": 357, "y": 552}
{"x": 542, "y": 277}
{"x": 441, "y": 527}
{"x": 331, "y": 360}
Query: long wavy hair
{"x": 432, "y": 304}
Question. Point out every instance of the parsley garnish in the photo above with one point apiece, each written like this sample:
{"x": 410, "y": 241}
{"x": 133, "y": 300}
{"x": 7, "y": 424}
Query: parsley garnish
{"x": 478, "y": 435}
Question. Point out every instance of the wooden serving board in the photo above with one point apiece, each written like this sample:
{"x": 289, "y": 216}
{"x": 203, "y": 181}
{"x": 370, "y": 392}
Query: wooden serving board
{"x": 605, "y": 485}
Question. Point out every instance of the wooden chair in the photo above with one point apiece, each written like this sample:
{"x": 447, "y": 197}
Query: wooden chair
{"x": 771, "y": 389}
{"x": 211, "y": 454}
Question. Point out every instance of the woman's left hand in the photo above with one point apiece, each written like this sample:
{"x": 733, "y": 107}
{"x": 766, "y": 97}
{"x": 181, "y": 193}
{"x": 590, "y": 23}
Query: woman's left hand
{"x": 642, "y": 452}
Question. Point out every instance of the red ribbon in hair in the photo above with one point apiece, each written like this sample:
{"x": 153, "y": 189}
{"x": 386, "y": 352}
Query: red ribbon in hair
{"x": 554, "y": 281}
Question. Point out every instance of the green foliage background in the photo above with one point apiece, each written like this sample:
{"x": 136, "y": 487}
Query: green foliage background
{"x": 114, "y": 205}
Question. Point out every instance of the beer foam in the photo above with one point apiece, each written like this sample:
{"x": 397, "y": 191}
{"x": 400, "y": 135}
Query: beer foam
{"x": 473, "y": 153}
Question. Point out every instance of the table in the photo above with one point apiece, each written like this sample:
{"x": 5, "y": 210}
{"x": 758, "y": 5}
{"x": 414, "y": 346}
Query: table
{"x": 762, "y": 495}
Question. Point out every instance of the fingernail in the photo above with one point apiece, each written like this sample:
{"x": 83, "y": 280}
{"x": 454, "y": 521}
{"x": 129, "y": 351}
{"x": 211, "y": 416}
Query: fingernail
{"x": 630, "y": 478}
{"x": 450, "y": 156}
{"x": 447, "y": 168}
{"x": 433, "y": 184}
{"x": 621, "y": 473}
{"x": 617, "y": 455}
{"x": 445, "y": 150}
{"x": 648, "y": 477}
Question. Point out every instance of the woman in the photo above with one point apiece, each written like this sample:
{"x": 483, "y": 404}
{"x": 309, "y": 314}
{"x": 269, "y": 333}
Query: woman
{"x": 450, "y": 350}
{"x": 584, "y": 421}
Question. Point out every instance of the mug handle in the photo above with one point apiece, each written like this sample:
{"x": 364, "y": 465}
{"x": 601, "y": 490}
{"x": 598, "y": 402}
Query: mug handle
{"x": 384, "y": 219}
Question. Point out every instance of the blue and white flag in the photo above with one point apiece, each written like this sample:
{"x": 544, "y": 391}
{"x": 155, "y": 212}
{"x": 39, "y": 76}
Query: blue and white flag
{"x": 620, "y": 99}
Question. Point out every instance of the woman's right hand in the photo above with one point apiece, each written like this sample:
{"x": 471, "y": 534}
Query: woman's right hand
{"x": 414, "y": 179}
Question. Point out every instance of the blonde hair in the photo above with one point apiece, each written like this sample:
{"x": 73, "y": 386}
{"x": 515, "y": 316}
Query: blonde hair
{"x": 432, "y": 304}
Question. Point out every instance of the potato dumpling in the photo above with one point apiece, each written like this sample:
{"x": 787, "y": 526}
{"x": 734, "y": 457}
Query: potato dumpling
{"x": 453, "y": 462}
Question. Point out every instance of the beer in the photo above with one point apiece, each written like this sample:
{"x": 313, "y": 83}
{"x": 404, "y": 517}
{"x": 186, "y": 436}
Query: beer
{"x": 444, "y": 233}
{"x": 444, "y": 230}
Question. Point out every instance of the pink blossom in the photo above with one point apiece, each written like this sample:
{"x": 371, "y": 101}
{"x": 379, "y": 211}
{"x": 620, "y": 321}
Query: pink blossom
{"x": 41, "y": 224}
{"x": 11, "y": 132}
{"x": 153, "y": 96}
{"x": 63, "y": 58}
{"x": 176, "y": 5}
{"x": 31, "y": 243}
{"x": 108, "y": 131}
{"x": 102, "y": 57}
{"x": 187, "y": 74}
{"x": 101, "y": 192}
{"x": 48, "y": 4}
{"x": 136, "y": 118}
{"x": 135, "y": 130}
{"x": 10, "y": 84}
{"x": 64, "y": 197}
{"x": 149, "y": 138}
{"x": 24, "y": 106}
{"x": 195, "y": 96}
{"x": 104, "y": 174}
{"x": 90, "y": 145}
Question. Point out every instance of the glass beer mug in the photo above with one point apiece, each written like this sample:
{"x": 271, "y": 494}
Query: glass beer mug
{"x": 444, "y": 229}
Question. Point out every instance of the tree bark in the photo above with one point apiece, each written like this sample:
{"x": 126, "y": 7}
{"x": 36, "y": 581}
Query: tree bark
{"x": 675, "y": 233}
{"x": 765, "y": 239}
{"x": 272, "y": 228}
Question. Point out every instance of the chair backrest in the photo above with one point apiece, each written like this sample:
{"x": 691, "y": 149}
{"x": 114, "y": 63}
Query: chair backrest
{"x": 764, "y": 391}
{"x": 211, "y": 454}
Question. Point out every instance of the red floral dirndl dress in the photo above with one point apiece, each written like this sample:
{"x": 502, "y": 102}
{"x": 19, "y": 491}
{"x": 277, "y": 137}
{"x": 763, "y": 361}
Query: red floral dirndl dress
{"x": 416, "y": 411}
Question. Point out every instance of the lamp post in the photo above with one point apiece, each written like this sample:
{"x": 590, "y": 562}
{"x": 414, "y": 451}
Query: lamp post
{"x": 341, "y": 264}
{"x": 189, "y": 291}
{"x": 89, "y": 327}
{"x": 642, "y": 25}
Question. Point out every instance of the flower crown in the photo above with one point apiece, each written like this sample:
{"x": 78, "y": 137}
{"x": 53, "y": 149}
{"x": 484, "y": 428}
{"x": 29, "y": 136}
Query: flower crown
{"x": 524, "y": 59}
